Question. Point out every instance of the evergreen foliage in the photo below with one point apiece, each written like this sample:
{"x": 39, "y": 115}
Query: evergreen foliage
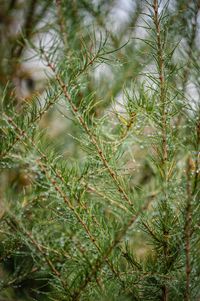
{"x": 100, "y": 159}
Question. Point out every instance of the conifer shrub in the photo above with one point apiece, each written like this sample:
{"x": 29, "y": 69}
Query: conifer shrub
{"x": 100, "y": 150}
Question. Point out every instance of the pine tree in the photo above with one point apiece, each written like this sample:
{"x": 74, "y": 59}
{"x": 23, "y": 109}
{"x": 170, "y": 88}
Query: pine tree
{"x": 99, "y": 152}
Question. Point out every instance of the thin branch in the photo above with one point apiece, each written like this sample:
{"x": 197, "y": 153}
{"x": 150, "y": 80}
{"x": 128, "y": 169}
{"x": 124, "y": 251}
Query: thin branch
{"x": 84, "y": 125}
{"x": 162, "y": 81}
{"x": 197, "y": 159}
{"x": 164, "y": 153}
{"x": 37, "y": 118}
{"x": 61, "y": 21}
{"x": 187, "y": 296}
{"x": 27, "y": 28}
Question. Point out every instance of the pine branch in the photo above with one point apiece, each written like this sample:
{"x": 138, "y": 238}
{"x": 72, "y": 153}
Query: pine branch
{"x": 188, "y": 221}
{"x": 40, "y": 249}
{"x": 61, "y": 21}
{"x": 100, "y": 261}
{"x": 37, "y": 118}
{"x": 161, "y": 67}
{"x": 58, "y": 189}
{"x": 82, "y": 122}
{"x": 197, "y": 167}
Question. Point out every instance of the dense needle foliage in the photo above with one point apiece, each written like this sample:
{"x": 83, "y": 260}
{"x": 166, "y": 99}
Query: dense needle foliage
{"x": 100, "y": 150}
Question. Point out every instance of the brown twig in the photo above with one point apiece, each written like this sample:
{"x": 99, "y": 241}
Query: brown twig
{"x": 162, "y": 83}
{"x": 164, "y": 153}
{"x": 188, "y": 232}
{"x": 197, "y": 157}
{"x": 61, "y": 21}
{"x": 27, "y": 29}
{"x": 191, "y": 44}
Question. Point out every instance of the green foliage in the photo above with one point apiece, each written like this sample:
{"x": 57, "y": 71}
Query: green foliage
{"x": 100, "y": 158}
